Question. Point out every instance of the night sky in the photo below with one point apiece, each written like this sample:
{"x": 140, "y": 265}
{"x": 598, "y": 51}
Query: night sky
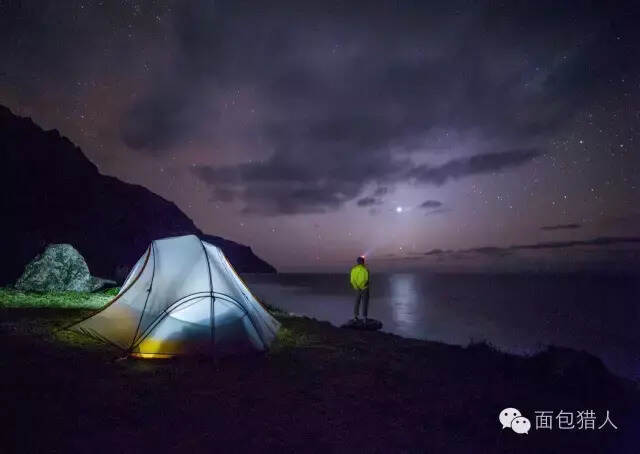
{"x": 425, "y": 134}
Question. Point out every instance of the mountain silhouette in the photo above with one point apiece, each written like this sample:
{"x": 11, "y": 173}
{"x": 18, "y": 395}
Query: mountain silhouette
{"x": 51, "y": 193}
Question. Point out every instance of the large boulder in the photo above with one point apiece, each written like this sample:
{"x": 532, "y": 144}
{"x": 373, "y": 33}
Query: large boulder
{"x": 60, "y": 267}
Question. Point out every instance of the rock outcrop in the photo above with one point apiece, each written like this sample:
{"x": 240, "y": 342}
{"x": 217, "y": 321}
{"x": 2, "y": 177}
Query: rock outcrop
{"x": 60, "y": 267}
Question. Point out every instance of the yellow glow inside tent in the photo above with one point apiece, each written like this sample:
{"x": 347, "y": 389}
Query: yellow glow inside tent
{"x": 151, "y": 355}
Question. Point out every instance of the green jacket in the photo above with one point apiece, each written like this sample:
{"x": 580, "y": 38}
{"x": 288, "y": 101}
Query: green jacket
{"x": 359, "y": 277}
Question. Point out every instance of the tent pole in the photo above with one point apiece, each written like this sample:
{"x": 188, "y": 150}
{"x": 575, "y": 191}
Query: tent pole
{"x": 153, "y": 274}
{"x": 212, "y": 316}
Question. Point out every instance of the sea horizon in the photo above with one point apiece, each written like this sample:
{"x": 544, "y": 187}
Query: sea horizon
{"x": 520, "y": 313}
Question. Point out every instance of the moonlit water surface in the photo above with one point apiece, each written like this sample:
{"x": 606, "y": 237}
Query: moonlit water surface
{"x": 516, "y": 313}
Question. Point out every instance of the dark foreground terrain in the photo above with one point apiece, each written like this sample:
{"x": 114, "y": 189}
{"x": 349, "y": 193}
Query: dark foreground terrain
{"x": 321, "y": 389}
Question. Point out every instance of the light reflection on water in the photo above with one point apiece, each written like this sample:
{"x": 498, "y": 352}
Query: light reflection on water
{"x": 404, "y": 300}
{"x": 516, "y": 313}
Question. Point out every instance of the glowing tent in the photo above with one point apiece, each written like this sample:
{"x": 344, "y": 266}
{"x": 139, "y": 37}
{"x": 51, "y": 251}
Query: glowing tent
{"x": 182, "y": 297}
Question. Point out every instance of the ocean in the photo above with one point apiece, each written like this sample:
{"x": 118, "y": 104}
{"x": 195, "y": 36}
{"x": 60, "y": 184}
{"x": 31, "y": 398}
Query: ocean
{"x": 517, "y": 313}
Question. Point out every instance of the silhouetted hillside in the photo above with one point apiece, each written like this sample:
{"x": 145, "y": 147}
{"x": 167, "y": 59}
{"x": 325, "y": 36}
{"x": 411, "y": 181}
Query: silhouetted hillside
{"x": 51, "y": 193}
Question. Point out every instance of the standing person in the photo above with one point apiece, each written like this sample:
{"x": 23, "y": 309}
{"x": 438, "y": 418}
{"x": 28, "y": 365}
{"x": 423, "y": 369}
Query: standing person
{"x": 360, "y": 283}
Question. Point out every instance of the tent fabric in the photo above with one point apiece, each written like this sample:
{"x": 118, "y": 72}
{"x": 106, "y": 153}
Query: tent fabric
{"x": 183, "y": 297}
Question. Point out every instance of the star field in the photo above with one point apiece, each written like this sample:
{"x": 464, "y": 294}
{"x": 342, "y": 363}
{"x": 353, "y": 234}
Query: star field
{"x": 319, "y": 132}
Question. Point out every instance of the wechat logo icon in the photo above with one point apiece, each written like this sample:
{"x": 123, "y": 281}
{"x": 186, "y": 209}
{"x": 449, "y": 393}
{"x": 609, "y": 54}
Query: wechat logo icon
{"x": 513, "y": 419}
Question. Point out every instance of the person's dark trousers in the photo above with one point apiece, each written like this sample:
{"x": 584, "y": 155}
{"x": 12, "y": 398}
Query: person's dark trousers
{"x": 362, "y": 295}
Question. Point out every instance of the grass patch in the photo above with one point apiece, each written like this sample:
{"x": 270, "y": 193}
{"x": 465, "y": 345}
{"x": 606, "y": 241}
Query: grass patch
{"x": 11, "y": 298}
{"x": 289, "y": 339}
{"x": 113, "y": 291}
{"x": 295, "y": 337}
{"x": 76, "y": 340}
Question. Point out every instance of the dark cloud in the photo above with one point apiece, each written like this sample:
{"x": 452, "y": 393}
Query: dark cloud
{"x": 364, "y": 74}
{"x": 382, "y": 190}
{"x": 287, "y": 184}
{"x": 600, "y": 241}
{"x": 490, "y": 251}
{"x": 479, "y": 164}
{"x": 437, "y": 211}
{"x": 504, "y": 251}
{"x": 340, "y": 87}
{"x": 368, "y": 201}
{"x": 601, "y": 254}
{"x": 561, "y": 227}
{"x": 430, "y": 204}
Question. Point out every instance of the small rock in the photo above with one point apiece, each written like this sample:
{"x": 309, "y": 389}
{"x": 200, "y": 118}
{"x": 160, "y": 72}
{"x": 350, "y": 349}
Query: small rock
{"x": 99, "y": 283}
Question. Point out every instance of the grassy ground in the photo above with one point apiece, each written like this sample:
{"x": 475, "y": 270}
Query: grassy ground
{"x": 10, "y": 298}
{"x": 320, "y": 389}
